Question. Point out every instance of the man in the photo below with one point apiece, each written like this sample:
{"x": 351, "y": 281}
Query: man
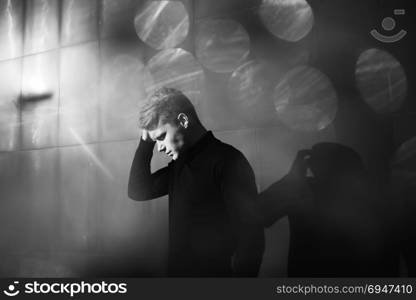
{"x": 214, "y": 228}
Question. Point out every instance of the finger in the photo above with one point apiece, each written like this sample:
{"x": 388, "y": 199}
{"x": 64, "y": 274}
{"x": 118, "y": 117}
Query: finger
{"x": 299, "y": 165}
{"x": 304, "y": 153}
{"x": 145, "y": 135}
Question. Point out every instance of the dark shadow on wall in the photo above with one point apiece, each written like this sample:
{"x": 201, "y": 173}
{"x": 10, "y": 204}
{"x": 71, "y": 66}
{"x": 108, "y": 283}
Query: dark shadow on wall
{"x": 339, "y": 225}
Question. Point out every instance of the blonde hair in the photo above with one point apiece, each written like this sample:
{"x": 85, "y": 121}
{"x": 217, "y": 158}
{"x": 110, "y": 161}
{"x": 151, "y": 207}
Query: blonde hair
{"x": 164, "y": 106}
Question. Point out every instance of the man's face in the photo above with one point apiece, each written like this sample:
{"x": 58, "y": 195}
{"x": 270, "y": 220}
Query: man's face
{"x": 169, "y": 139}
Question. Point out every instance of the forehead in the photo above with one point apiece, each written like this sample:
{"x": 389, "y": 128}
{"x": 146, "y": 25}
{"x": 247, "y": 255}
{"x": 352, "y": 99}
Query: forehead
{"x": 162, "y": 128}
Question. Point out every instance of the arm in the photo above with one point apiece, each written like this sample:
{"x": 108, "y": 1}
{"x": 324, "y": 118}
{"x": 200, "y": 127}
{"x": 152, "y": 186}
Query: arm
{"x": 276, "y": 201}
{"x": 143, "y": 185}
{"x": 240, "y": 193}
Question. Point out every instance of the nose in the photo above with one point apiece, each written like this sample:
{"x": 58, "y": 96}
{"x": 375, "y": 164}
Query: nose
{"x": 160, "y": 147}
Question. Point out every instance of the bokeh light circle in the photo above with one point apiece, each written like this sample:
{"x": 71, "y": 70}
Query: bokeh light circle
{"x": 403, "y": 170}
{"x": 405, "y": 156}
{"x": 381, "y": 81}
{"x": 221, "y": 45}
{"x": 290, "y": 20}
{"x": 162, "y": 24}
{"x": 305, "y": 100}
{"x": 249, "y": 86}
{"x": 177, "y": 68}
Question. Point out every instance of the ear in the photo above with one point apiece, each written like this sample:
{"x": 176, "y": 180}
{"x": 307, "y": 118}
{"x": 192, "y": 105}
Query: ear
{"x": 183, "y": 120}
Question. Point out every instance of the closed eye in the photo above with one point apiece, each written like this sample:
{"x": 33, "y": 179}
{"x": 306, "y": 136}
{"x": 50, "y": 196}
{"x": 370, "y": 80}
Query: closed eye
{"x": 161, "y": 137}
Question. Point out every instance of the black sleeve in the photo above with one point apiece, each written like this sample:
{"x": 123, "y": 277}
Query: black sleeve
{"x": 239, "y": 191}
{"x": 143, "y": 185}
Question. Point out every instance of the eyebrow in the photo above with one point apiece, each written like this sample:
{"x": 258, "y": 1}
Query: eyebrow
{"x": 161, "y": 136}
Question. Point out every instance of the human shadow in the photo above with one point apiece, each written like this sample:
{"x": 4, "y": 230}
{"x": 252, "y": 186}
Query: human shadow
{"x": 339, "y": 226}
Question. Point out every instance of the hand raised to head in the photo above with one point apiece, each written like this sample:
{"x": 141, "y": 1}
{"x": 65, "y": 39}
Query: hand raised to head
{"x": 299, "y": 165}
{"x": 145, "y": 135}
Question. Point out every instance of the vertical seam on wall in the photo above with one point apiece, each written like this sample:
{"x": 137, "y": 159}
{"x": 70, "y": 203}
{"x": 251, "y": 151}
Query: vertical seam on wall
{"x": 58, "y": 192}
{"x": 19, "y": 139}
{"x": 98, "y": 70}
{"x": 99, "y": 212}
{"x": 257, "y": 147}
{"x": 192, "y": 25}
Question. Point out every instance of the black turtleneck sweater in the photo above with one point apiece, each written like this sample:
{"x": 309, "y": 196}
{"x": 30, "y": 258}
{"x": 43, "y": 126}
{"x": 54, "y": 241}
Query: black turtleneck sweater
{"x": 214, "y": 227}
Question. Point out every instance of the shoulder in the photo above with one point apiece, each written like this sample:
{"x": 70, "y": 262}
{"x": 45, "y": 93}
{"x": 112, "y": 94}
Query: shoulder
{"x": 228, "y": 159}
{"x": 224, "y": 152}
